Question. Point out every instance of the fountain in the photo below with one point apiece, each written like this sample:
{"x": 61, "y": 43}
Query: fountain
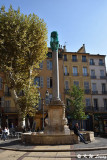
{"x": 56, "y": 131}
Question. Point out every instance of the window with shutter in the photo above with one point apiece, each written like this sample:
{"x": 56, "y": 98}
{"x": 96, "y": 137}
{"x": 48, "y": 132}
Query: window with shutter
{"x": 48, "y": 64}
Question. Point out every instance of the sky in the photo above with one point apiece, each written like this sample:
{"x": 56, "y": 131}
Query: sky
{"x": 77, "y": 22}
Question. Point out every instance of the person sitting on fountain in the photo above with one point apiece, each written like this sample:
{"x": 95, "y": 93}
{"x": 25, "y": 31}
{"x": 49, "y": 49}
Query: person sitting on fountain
{"x": 76, "y": 131}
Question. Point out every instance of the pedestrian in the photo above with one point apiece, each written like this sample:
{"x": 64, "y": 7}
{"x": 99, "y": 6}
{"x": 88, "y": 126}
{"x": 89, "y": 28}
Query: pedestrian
{"x": 76, "y": 131}
{"x": 4, "y": 134}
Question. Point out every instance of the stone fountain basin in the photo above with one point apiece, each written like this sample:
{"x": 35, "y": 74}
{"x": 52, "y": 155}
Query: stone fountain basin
{"x": 48, "y": 139}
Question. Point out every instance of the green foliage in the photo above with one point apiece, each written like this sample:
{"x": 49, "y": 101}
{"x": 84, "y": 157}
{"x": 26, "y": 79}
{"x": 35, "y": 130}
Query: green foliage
{"x": 75, "y": 108}
{"x": 23, "y": 45}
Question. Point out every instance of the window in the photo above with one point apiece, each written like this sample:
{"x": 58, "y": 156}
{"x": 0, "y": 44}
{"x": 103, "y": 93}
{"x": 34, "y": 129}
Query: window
{"x": 38, "y": 81}
{"x": 85, "y": 71}
{"x": 1, "y": 83}
{"x": 94, "y": 87}
{"x": 103, "y": 88}
{"x": 92, "y": 62}
{"x": 65, "y": 71}
{"x": 75, "y": 72}
{"x": 49, "y": 65}
{"x": 49, "y": 82}
{"x": 76, "y": 83}
{"x": 101, "y": 62}
{"x": 88, "y": 102}
{"x": 96, "y": 104}
{"x": 7, "y": 91}
{"x": 65, "y": 57}
{"x": 105, "y": 104}
{"x": 84, "y": 59}
{"x": 101, "y": 73}
{"x": 93, "y": 74}
{"x": 41, "y": 65}
{"x": 86, "y": 85}
{"x": 74, "y": 58}
{"x": 66, "y": 85}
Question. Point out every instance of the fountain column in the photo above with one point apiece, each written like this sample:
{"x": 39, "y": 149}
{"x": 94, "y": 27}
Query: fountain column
{"x": 56, "y": 110}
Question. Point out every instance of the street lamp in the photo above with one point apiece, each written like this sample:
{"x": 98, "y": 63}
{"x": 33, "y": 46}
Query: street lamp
{"x": 46, "y": 95}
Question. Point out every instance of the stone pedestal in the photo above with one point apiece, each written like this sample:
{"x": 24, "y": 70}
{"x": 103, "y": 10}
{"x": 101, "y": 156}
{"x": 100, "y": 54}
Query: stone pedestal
{"x": 57, "y": 123}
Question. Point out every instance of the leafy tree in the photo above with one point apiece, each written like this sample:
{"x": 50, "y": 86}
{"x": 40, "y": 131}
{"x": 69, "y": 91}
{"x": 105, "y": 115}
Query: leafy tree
{"x": 23, "y": 45}
{"x": 75, "y": 108}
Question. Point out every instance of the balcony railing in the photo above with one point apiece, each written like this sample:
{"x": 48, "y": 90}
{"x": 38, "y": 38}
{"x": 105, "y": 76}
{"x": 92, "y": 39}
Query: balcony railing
{"x": 103, "y": 77}
{"x": 85, "y": 74}
{"x": 84, "y": 60}
{"x": 101, "y": 64}
{"x": 10, "y": 110}
{"x": 89, "y": 109}
{"x": 74, "y": 60}
{"x": 93, "y": 77}
{"x": 66, "y": 74}
{"x": 104, "y": 92}
{"x": 75, "y": 74}
{"x": 95, "y": 109}
{"x": 92, "y": 63}
{"x": 8, "y": 94}
{"x": 66, "y": 91}
{"x": 87, "y": 91}
{"x": 100, "y": 109}
{"x": 94, "y": 92}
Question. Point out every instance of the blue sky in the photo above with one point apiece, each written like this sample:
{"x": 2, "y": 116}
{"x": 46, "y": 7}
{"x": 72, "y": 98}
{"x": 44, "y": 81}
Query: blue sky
{"x": 77, "y": 22}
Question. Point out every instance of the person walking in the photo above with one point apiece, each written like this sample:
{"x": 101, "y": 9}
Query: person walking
{"x": 76, "y": 131}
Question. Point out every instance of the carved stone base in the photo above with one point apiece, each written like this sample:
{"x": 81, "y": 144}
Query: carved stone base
{"x": 57, "y": 123}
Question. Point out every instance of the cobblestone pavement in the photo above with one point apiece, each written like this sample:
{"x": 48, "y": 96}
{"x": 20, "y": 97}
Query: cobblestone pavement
{"x": 18, "y": 155}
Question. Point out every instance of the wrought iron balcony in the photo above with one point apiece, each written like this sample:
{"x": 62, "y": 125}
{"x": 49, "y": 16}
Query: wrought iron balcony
{"x": 8, "y": 94}
{"x": 103, "y": 77}
{"x": 89, "y": 109}
{"x": 94, "y": 92}
{"x": 92, "y": 63}
{"x": 85, "y": 74}
{"x": 66, "y": 91}
{"x": 74, "y": 60}
{"x": 93, "y": 77}
{"x": 75, "y": 74}
{"x": 66, "y": 74}
{"x": 104, "y": 92}
{"x": 100, "y": 109}
{"x": 87, "y": 91}
{"x": 10, "y": 110}
{"x": 101, "y": 64}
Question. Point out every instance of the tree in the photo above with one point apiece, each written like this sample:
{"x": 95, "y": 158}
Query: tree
{"x": 23, "y": 45}
{"x": 75, "y": 107}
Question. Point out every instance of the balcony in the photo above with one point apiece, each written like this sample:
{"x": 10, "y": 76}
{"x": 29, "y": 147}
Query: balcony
{"x": 87, "y": 91}
{"x": 66, "y": 74}
{"x": 10, "y": 110}
{"x": 93, "y": 77}
{"x": 92, "y": 63}
{"x": 101, "y": 64}
{"x": 75, "y": 74}
{"x": 94, "y": 92}
{"x": 100, "y": 109}
{"x": 84, "y": 60}
{"x": 85, "y": 74}
{"x": 104, "y": 92}
{"x": 7, "y": 94}
{"x": 66, "y": 91}
{"x": 103, "y": 77}
{"x": 89, "y": 109}
{"x": 74, "y": 60}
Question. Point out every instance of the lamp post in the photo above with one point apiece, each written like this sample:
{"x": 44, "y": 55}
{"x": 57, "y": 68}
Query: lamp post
{"x": 46, "y": 95}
